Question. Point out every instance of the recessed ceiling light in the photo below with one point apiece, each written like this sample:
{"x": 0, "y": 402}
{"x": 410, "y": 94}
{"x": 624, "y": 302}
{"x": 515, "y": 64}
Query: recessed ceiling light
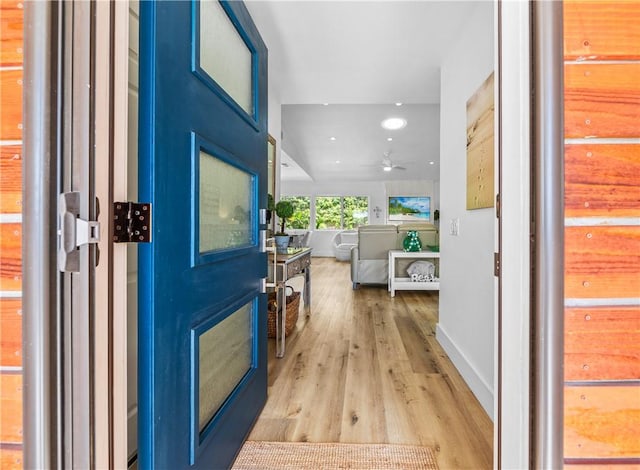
{"x": 398, "y": 104}
{"x": 389, "y": 139}
{"x": 325, "y": 104}
{"x": 332, "y": 138}
{"x": 337, "y": 161}
{"x": 394, "y": 123}
{"x": 432, "y": 163}
{"x": 386, "y": 168}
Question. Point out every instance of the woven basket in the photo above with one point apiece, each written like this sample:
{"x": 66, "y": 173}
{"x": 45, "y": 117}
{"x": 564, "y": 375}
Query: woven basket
{"x": 293, "y": 305}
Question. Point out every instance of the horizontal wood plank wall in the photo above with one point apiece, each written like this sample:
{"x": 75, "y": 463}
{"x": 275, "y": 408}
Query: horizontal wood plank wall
{"x": 602, "y": 234}
{"x": 11, "y": 77}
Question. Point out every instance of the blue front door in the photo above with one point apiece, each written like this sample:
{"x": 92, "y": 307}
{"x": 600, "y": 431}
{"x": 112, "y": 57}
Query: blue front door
{"x": 203, "y": 148}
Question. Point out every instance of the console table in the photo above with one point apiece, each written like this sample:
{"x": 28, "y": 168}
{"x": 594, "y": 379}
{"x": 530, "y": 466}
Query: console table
{"x": 405, "y": 283}
{"x": 296, "y": 261}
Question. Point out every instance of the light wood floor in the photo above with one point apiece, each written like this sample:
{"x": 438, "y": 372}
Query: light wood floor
{"x": 366, "y": 368}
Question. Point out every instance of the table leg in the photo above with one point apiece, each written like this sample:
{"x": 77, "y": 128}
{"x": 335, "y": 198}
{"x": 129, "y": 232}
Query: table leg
{"x": 307, "y": 289}
{"x": 281, "y": 318}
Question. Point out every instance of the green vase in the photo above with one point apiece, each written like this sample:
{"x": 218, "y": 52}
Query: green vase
{"x": 412, "y": 241}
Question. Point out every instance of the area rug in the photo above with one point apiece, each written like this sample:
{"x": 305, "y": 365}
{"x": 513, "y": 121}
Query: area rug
{"x": 259, "y": 455}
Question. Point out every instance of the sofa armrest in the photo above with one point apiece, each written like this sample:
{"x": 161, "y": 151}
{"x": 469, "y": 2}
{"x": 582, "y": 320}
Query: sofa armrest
{"x": 355, "y": 254}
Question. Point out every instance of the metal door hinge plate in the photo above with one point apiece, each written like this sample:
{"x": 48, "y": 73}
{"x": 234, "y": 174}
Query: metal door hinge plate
{"x": 131, "y": 222}
{"x": 496, "y": 264}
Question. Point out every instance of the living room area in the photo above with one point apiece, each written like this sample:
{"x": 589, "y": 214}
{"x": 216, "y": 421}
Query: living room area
{"x": 363, "y": 366}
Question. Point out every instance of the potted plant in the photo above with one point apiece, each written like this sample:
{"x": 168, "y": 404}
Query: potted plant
{"x": 284, "y": 210}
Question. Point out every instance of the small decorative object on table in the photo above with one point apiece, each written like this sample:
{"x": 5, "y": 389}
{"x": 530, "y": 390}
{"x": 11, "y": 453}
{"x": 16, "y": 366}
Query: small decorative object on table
{"x": 412, "y": 241}
{"x": 422, "y": 271}
{"x": 293, "y": 305}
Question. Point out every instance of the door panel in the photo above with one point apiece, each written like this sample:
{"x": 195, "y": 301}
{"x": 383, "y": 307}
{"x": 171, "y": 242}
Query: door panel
{"x": 202, "y": 330}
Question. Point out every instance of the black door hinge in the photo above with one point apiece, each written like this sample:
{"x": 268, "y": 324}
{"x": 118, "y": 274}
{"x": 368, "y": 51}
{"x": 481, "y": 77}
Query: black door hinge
{"x": 131, "y": 222}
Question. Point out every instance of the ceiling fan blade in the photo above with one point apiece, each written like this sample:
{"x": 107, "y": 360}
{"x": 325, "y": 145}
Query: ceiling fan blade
{"x": 396, "y": 167}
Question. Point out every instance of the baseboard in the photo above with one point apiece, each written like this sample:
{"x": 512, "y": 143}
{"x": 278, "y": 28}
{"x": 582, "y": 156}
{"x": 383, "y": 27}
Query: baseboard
{"x": 482, "y": 391}
{"x": 322, "y": 254}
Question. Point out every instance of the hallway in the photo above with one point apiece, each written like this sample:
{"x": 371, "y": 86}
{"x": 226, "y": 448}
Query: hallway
{"x": 365, "y": 368}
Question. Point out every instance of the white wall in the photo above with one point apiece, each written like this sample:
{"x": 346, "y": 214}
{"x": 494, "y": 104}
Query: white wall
{"x": 377, "y": 191}
{"x": 466, "y": 322}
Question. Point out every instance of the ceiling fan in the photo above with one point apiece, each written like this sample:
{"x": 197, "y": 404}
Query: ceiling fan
{"x": 388, "y": 165}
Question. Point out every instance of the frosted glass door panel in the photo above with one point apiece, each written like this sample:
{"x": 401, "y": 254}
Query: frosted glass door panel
{"x": 225, "y": 205}
{"x": 225, "y": 353}
{"x": 224, "y": 56}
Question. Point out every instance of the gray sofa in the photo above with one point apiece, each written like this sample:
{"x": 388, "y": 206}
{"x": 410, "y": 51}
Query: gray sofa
{"x": 370, "y": 257}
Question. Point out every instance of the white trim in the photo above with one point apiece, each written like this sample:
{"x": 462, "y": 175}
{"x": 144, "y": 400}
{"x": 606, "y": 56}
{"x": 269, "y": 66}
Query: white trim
{"x": 480, "y": 388}
{"x": 6, "y": 68}
{"x": 10, "y": 142}
{"x": 585, "y": 61}
{"x": 10, "y": 370}
{"x": 596, "y": 221}
{"x": 10, "y": 294}
{"x": 611, "y": 302}
{"x": 119, "y": 273}
{"x": 602, "y": 141}
{"x": 10, "y": 218}
{"x": 515, "y": 209}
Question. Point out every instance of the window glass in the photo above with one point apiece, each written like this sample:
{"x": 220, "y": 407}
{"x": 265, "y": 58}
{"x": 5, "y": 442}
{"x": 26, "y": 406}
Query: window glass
{"x": 225, "y": 353}
{"x": 328, "y": 212}
{"x": 355, "y": 210}
{"x": 335, "y": 213}
{"x": 224, "y": 54}
{"x": 301, "y": 218}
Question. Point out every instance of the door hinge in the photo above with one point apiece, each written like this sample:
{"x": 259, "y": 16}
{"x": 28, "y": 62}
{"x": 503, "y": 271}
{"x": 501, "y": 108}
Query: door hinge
{"x": 131, "y": 222}
{"x": 497, "y": 206}
{"x": 496, "y": 264}
{"x": 73, "y": 232}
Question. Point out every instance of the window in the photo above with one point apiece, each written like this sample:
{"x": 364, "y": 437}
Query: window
{"x": 301, "y": 218}
{"x": 335, "y": 212}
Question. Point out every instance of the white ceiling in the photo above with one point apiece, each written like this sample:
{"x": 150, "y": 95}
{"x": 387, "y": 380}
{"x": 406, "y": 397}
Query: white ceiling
{"x": 360, "y": 57}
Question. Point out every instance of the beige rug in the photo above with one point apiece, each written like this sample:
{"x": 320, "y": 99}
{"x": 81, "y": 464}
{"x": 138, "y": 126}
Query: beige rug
{"x": 258, "y": 455}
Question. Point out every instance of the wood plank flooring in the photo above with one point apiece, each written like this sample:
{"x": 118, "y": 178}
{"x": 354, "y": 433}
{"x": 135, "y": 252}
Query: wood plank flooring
{"x": 366, "y": 368}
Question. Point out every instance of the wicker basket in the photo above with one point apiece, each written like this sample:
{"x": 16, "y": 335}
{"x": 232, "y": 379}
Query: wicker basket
{"x": 293, "y": 305}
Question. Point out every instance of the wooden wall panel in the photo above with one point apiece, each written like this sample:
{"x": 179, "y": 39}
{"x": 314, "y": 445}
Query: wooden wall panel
{"x": 602, "y": 262}
{"x": 11, "y": 408}
{"x": 602, "y": 100}
{"x": 602, "y": 422}
{"x": 11, "y": 24}
{"x": 10, "y": 459}
{"x": 10, "y": 179}
{"x": 11, "y": 99}
{"x": 602, "y": 343}
{"x": 10, "y": 256}
{"x": 11, "y": 327}
{"x": 602, "y": 30}
{"x": 602, "y": 180}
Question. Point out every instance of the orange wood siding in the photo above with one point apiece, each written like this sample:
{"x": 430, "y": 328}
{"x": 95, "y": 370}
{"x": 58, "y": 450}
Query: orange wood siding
{"x": 602, "y": 262}
{"x": 11, "y": 408}
{"x": 602, "y": 422}
{"x": 602, "y": 343}
{"x": 11, "y": 257}
{"x": 11, "y": 76}
{"x": 602, "y": 235}
{"x": 11, "y": 327}
{"x": 602, "y": 30}
{"x": 11, "y": 179}
{"x": 11, "y": 96}
{"x": 10, "y": 459}
{"x": 602, "y": 100}
{"x": 11, "y": 49}
{"x": 602, "y": 180}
